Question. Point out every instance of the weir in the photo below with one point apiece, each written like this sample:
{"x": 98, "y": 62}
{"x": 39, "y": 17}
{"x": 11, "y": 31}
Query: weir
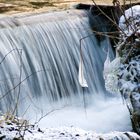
{"x": 40, "y": 57}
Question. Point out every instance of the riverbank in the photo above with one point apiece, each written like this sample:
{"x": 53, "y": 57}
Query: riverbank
{"x": 16, "y": 6}
{"x": 13, "y": 128}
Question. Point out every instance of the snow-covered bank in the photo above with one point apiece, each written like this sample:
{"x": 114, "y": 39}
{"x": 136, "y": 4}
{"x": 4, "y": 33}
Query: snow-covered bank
{"x": 12, "y": 130}
{"x": 130, "y": 22}
{"x": 129, "y": 70}
{"x": 123, "y": 72}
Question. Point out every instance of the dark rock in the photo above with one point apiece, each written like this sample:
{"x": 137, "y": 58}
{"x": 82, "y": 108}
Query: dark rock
{"x": 77, "y": 135}
{"x": 2, "y": 137}
{"x": 17, "y": 139}
{"x": 39, "y": 130}
{"x": 83, "y": 6}
{"x": 11, "y": 129}
{"x": 62, "y": 133}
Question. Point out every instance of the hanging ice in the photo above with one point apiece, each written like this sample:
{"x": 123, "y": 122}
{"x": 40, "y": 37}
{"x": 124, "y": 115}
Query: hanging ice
{"x": 106, "y": 64}
{"x": 110, "y": 73}
{"x": 81, "y": 77}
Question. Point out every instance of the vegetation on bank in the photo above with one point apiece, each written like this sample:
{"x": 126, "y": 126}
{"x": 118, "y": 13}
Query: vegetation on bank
{"x": 129, "y": 71}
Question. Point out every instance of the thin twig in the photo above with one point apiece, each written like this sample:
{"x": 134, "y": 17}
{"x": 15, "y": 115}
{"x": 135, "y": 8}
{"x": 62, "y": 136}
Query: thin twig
{"x": 15, "y": 49}
{"x": 108, "y": 17}
{"x": 81, "y": 55}
{"x": 128, "y": 55}
{"x": 48, "y": 113}
{"x": 21, "y": 63}
{"x": 22, "y": 82}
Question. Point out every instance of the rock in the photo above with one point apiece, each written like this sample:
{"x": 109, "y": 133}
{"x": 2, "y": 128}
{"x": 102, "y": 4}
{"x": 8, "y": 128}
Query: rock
{"x": 135, "y": 101}
{"x": 39, "y": 130}
{"x": 2, "y": 137}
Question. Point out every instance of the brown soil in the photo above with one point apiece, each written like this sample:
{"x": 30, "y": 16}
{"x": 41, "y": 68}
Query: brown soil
{"x": 18, "y": 6}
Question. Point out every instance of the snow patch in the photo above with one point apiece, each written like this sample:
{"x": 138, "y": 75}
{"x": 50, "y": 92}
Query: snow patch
{"x": 130, "y": 21}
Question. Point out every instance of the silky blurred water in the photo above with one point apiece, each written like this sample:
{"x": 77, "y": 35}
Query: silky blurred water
{"x": 40, "y": 57}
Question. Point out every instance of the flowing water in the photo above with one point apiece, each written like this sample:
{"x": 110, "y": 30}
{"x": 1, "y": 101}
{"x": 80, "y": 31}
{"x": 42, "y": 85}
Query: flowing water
{"x": 40, "y": 56}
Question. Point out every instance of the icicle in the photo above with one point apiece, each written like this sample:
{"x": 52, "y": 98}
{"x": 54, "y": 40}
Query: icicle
{"x": 81, "y": 77}
{"x": 106, "y": 64}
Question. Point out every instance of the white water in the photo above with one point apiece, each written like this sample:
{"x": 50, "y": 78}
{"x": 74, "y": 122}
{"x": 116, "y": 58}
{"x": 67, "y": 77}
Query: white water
{"x": 51, "y": 54}
{"x": 102, "y": 116}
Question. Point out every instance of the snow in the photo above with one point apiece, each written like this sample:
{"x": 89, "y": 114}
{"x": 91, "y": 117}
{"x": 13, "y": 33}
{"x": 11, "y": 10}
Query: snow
{"x": 130, "y": 21}
{"x": 12, "y": 130}
{"x": 129, "y": 71}
{"x": 129, "y": 76}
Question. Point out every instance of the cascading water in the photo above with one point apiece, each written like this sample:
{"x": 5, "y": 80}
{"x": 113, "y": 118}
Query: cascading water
{"x": 40, "y": 57}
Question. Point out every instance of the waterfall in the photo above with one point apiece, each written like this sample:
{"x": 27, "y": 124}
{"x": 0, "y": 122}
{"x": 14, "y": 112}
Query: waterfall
{"x": 42, "y": 53}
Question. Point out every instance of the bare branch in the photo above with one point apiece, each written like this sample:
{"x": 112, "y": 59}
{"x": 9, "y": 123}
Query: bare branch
{"x": 114, "y": 23}
{"x": 15, "y": 49}
{"x": 48, "y": 113}
{"x": 22, "y": 82}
